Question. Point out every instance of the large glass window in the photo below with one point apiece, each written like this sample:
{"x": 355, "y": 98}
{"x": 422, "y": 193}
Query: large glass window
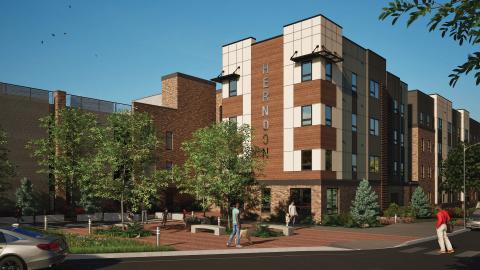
{"x": 374, "y": 127}
{"x": 307, "y": 115}
{"x": 395, "y": 168}
{"x": 328, "y": 71}
{"x": 354, "y": 122}
{"x": 395, "y": 136}
{"x": 374, "y": 164}
{"x": 232, "y": 119}
{"x": 449, "y": 127}
{"x": 354, "y": 82}
{"x": 302, "y": 198}
{"x": 232, "y": 88}
{"x": 169, "y": 165}
{"x": 421, "y": 118}
{"x": 354, "y": 162}
{"x": 395, "y": 106}
{"x": 307, "y": 71}
{"x": 428, "y": 120}
{"x": 402, "y": 169}
{"x": 328, "y": 116}
{"x": 440, "y": 124}
{"x": 332, "y": 201}
{"x": 169, "y": 140}
{"x": 374, "y": 89}
{"x": 306, "y": 160}
{"x": 328, "y": 160}
{"x": 402, "y": 141}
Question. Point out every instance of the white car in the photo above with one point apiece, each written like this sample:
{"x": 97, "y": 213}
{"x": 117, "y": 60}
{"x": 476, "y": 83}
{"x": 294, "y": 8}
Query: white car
{"x": 22, "y": 249}
{"x": 473, "y": 222}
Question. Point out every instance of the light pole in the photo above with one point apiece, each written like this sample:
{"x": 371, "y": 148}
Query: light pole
{"x": 464, "y": 186}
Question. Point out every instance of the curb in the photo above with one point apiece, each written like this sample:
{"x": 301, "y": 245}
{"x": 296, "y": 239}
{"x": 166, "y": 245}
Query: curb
{"x": 199, "y": 252}
{"x": 426, "y": 239}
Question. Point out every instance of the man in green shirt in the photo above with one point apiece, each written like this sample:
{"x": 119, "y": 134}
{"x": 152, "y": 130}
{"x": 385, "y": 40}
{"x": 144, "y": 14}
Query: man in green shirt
{"x": 236, "y": 226}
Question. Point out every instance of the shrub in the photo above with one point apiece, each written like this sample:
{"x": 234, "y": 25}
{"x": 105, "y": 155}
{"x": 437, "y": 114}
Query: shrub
{"x": 133, "y": 230}
{"x": 344, "y": 219}
{"x": 420, "y": 204}
{"x": 308, "y": 220}
{"x": 364, "y": 209}
{"x": 392, "y": 210}
{"x": 264, "y": 232}
{"x": 330, "y": 220}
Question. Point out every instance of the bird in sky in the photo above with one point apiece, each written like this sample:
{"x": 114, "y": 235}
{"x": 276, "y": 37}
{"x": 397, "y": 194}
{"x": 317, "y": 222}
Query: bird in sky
{"x": 53, "y": 34}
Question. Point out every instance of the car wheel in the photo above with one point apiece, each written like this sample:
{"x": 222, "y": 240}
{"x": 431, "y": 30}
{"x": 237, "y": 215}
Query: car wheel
{"x": 11, "y": 263}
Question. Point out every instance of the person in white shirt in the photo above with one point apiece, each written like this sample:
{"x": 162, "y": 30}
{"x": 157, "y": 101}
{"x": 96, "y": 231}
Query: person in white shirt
{"x": 292, "y": 211}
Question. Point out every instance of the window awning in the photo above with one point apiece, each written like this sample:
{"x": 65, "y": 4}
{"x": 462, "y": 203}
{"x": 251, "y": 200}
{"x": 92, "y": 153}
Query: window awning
{"x": 330, "y": 56}
{"x": 232, "y": 76}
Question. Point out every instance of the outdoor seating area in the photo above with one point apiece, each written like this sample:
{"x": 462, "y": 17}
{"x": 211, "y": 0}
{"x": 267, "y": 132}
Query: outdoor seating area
{"x": 217, "y": 230}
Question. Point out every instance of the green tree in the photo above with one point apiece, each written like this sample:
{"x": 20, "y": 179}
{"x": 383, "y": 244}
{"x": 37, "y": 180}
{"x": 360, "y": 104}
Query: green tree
{"x": 67, "y": 150}
{"x": 7, "y": 169}
{"x": 365, "y": 207}
{"x": 458, "y": 19}
{"x": 25, "y": 200}
{"x": 124, "y": 169}
{"x": 221, "y": 166}
{"x": 452, "y": 169}
{"x": 420, "y": 203}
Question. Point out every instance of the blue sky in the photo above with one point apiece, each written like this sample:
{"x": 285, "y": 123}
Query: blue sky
{"x": 117, "y": 50}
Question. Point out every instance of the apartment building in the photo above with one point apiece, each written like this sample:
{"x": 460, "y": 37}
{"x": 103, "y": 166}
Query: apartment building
{"x": 324, "y": 110}
{"x": 21, "y": 108}
{"x": 186, "y": 103}
{"x": 435, "y": 128}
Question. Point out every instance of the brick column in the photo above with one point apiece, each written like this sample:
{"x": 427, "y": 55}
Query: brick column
{"x": 60, "y": 102}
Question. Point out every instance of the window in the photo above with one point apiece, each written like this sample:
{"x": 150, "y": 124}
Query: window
{"x": 328, "y": 71}
{"x": 169, "y": 140}
{"x": 307, "y": 115}
{"x": 306, "y": 160}
{"x": 421, "y": 118}
{"x": 402, "y": 142}
{"x": 2, "y": 239}
{"x": 374, "y": 164}
{"x": 10, "y": 238}
{"x": 374, "y": 127}
{"x": 429, "y": 172}
{"x": 266, "y": 198}
{"x": 449, "y": 127}
{"x": 374, "y": 89}
{"x": 328, "y": 160}
{"x": 169, "y": 165}
{"x": 428, "y": 120}
{"x": 429, "y": 146}
{"x": 423, "y": 145}
{"x": 465, "y": 138}
{"x": 354, "y": 122}
{"x": 440, "y": 124}
{"x": 402, "y": 169}
{"x": 332, "y": 201}
{"x": 354, "y": 162}
{"x": 233, "y": 119}
{"x": 395, "y": 136}
{"x": 232, "y": 88}
{"x": 307, "y": 71}
{"x": 423, "y": 172}
{"x": 402, "y": 109}
{"x": 395, "y": 106}
{"x": 354, "y": 82}
{"x": 395, "y": 168}
{"x": 440, "y": 148}
{"x": 302, "y": 198}
{"x": 328, "y": 116}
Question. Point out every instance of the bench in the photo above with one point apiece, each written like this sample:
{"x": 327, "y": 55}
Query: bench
{"x": 287, "y": 231}
{"x": 217, "y": 230}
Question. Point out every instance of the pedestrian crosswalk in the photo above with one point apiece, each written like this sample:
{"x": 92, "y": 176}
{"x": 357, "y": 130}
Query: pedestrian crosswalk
{"x": 429, "y": 251}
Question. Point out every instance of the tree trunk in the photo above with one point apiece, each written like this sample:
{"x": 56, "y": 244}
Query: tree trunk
{"x": 121, "y": 211}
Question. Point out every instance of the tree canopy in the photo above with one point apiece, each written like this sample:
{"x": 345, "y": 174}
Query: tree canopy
{"x": 6, "y": 167}
{"x": 459, "y": 19}
{"x": 452, "y": 169}
{"x": 221, "y": 165}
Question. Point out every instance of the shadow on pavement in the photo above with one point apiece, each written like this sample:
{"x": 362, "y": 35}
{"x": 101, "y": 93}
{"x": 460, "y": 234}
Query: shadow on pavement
{"x": 465, "y": 264}
{"x": 87, "y": 264}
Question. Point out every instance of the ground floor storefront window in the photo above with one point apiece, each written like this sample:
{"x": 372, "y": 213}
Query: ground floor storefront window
{"x": 266, "y": 199}
{"x": 303, "y": 200}
{"x": 332, "y": 201}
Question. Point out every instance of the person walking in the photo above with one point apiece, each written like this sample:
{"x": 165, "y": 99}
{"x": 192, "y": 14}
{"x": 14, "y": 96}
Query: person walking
{"x": 184, "y": 217}
{"x": 165, "y": 216}
{"x": 292, "y": 211}
{"x": 442, "y": 220}
{"x": 236, "y": 226}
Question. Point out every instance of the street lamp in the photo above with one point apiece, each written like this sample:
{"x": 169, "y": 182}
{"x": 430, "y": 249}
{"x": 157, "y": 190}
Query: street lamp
{"x": 464, "y": 186}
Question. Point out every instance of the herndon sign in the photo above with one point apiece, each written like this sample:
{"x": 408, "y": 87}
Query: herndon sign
{"x": 265, "y": 96}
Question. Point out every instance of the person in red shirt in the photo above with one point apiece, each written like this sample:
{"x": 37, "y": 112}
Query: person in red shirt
{"x": 442, "y": 219}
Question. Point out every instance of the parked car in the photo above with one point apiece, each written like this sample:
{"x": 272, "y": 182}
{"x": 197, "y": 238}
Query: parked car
{"x": 473, "y": 221}
{"x": 23, "y": 249}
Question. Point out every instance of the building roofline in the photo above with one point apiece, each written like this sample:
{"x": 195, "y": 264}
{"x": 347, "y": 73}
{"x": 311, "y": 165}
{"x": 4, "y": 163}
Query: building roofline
{"x": 179, "y": 74}
{"x": 354, "y": 43}
{"x": 267, "y": 39}
{"x": 437, "y": 94}
{"x": 373, "y": 52}
{"x": 238, "y": 41}
{"x": 146, "y": 97}
{"x": 311, "y": 17}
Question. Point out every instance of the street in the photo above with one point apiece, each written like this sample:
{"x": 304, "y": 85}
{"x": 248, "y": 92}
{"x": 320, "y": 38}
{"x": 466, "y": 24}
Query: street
{"x": 420, "y": 256}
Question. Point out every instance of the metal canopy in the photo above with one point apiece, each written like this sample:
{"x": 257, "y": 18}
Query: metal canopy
{"x": 221, "y": 78}
{"x": 331, "y": 56}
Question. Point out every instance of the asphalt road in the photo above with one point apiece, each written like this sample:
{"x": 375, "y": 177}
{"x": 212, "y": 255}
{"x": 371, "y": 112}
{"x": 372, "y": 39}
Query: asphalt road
{"x": 420, "y": 256}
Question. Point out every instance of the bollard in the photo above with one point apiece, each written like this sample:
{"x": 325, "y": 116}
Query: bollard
{"x": 158, "y": 236}
{"x": 45, "y": 222}
{"x": 192, "y": 213}
{"x": 89, "y": 226}
{"x": 395, "y": 218}
{"x": 218, "y": 221}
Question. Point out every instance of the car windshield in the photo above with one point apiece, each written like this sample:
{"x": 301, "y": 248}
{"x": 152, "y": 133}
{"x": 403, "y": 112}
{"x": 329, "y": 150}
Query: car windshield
{"x": 24, "y": 232}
